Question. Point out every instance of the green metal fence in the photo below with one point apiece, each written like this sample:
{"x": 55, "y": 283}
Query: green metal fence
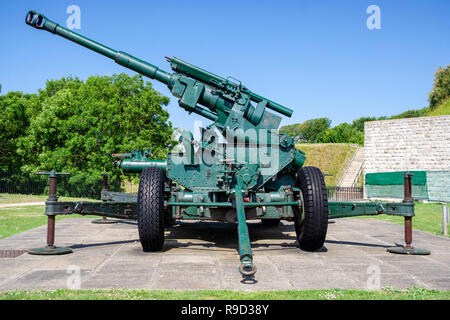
{"x": 426, "y": 185}
{"x": 395, "y": 191}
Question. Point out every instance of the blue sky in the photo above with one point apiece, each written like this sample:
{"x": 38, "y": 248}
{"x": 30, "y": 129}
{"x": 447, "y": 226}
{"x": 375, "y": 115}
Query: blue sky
{"x": 316, "y": 57}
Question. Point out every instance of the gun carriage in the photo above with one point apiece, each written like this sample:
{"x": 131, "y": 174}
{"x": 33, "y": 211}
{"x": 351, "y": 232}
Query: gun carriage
{"x": 242, "y": 168}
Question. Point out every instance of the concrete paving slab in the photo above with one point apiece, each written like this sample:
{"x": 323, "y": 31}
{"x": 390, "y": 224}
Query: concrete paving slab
{"x": 203, "y": 255}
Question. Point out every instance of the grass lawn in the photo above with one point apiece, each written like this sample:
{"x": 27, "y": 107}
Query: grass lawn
{"x": 6, "y": 198}
{"x": 14, "y": 220}
{"x": 144, "y": 294}
{"x": 428, "y": 217}
{"x": 18, "y": 219}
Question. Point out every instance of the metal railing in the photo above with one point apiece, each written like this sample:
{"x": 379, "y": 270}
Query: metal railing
{"x": 21, "y": 182}
{"x": 17, "y": 182}
{"x": 25, "y": 183}
{"x": 355, "y": 182}
{"x": 345, "y": 194}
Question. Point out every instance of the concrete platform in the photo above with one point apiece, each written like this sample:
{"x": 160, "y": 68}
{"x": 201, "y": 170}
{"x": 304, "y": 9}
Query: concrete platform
{"x": 203, "y": 255}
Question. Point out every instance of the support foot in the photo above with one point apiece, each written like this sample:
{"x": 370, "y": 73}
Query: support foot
{"x": 50, "y": 250}
{"x": 104, "y": 221}
{"x": 247, "y": 269}
{"x": 408, "y": 250}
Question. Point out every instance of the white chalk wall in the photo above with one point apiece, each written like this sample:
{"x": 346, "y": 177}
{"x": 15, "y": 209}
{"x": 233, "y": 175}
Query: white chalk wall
{"x": 407, "y": 144}
{"x": 421, "y": 144}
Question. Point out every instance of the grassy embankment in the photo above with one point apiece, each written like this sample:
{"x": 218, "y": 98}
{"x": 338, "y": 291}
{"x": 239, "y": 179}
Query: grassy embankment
{"x": 441, "y": 110}
{"x": 330, "y": 158}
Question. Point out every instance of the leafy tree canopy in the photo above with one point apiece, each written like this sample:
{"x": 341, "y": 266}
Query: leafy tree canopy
{"x": 308, "y": 131}
{"x": 75, "y": 126}
{"x": 14, "y": 119}
{"x": 342, "y": 133}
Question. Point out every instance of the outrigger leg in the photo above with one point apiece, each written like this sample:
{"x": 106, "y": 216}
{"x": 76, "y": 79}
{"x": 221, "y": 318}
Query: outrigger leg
{"x": 247, "y": 268}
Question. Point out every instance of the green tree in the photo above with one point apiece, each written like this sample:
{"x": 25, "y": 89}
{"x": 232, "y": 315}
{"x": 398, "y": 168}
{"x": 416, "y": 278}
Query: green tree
{"x": 441, "y": 87}
{"x": 291, "y": 130}
{"x": 359, "y": 123}
{"x": 78, "y": 125}
{"x": 342, "y": 133}
{"x": 14, "y": 120}
{"x": 308, "y": 131}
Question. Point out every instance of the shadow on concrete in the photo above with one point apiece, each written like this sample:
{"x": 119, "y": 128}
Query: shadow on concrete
{"x": 224, "y": 235}
{"x": 249, "y": 280}
{"x": 101, "y": 244}
{"x": 362, "y": 244}
{"x": 220, "y": 235}
{"x": 134, "y": 223}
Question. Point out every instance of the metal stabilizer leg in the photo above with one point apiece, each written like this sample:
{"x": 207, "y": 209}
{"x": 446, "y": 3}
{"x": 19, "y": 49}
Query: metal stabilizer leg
{"x": 247, "y": 268}
{"x": 103, "y": 219}
{"x": 50, "y": 249}
{"x": 408, "y": 248}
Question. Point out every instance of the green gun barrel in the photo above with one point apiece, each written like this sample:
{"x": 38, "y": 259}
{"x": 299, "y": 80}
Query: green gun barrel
{"x": 202, "y": 75}
{"x": 39, "y": 21}
{"x": 179, "y": 86}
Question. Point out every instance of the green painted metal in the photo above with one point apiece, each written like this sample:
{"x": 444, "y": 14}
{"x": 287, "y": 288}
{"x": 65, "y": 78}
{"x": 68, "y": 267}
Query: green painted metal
{"x": 50, "y": 251}
{"x": 245, "y": 249}
{"x": 204, "y": 76}
{"x": 395, "y": 191}
{"x": 223, "y": 100}
{"x": 187, "y": 88}
{"x": 118, "y": 196}
{"x": 119, "y": 210}
{"x": 337, "y": 209}
{"x": 241, "y": 169}
{"x": 138, "y": 166}
{"x": 409, "y": 251}
{"x": 354, "y": 209}
{"x": 419, "y": 178}
{"x": 104, "y": 220}
{"x": 230, "y": 205}
{"x": 136, "y": 161}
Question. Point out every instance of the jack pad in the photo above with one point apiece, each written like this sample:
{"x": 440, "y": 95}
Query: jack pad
{"x": 49, "y": 251}
{"x": 411, "y": 250}
{"x": 104, "y": 221}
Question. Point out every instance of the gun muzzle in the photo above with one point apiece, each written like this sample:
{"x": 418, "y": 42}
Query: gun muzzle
{"x": 35, "y": 19}
{"x": 39, "y": 21}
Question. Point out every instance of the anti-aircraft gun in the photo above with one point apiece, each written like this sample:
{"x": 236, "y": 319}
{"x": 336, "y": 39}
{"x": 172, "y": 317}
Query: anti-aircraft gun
{"x": 242, "y": 168}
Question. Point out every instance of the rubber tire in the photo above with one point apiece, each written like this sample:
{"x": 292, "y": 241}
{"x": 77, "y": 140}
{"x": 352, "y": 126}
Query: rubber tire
{"x": 270, "y": 222}
{"x": 151, "y": 209}
{"x": 311, "y": 233}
